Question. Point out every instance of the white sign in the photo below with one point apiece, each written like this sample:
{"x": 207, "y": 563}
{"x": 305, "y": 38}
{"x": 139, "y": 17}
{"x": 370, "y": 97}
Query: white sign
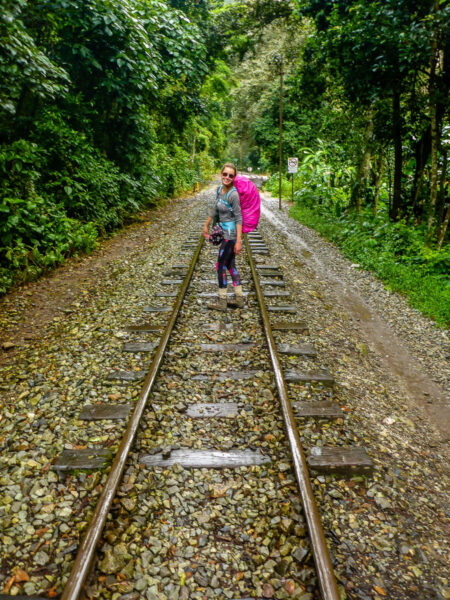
{"x": 293, "y": 165}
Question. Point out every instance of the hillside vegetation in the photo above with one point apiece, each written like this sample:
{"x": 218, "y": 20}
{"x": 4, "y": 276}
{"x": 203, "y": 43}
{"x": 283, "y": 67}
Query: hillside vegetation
{"x": 109, "y": 107}
{"x": 105, "y": 108}
{"x": 365, "y": 109}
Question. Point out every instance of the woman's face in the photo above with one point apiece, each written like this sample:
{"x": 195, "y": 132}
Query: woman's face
{"x": 228, "y": 176}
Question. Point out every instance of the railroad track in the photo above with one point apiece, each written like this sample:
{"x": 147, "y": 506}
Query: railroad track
{"x": 226, "y": 428}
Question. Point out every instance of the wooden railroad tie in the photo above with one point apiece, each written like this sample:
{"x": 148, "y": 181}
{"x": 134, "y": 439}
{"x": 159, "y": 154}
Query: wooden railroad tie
{"x": 283, "y": 309}
{"x": 110, "y": 412}
{"x": 139, "y": 346}
{"x": 209, "y": 459}
{"x": 273, "y": 282}
{"x": 299, "y": 326}
{"x": 213, "y": 410}
{"x": 325, "y": 409}
{"x": 346, "y": 460}
{"x": 324, "y": 377}
{"x": 89, "y": 458}
{"x": 300, "y": 350}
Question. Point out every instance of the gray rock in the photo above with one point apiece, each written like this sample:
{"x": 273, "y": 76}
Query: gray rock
{"x": 41, "y": 558}
{"x": 115, "y": 559}
{"x": 300, "y": 554}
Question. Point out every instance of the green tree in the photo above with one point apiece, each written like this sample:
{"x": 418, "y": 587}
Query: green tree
{"x": 27, "y": 74}
{"x": 381, "y": 51}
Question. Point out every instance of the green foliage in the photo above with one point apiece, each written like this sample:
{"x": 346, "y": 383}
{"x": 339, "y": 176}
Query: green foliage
{"x": 82, "y": 181}
{"x": 255, "y": 103}
{"x": 242, "y": 23}
{"x": 37, "y": 236}
{"x": 272, "y": 185}
{"x": 178, "y": 171}
{"x": 36, "y": 233}
{"x": 373, "y": 45}
{"x": 320, "y": 179}
{"x": 105, "y": 108}
{"x": 395, "y": 252}
{"x": 384, "y": 56}
{"x": 24, "y": 68}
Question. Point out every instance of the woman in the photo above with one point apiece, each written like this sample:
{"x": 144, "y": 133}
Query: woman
{"x": 227, "y": 211}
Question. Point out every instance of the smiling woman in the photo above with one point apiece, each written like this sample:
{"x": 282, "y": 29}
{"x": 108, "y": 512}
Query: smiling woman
{"x": 227, "y": 213}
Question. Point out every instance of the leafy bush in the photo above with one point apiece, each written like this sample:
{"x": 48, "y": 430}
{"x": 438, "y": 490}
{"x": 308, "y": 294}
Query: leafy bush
{"x": 309, "y": 193}
{"x": 176, "y": 170}
{"x": 79, "y": 178}
{"x": 36, "y": 236}
{"x": 272, "y": 185}
{"x": 46, "y": 218}
{"x": 396, "y": 252}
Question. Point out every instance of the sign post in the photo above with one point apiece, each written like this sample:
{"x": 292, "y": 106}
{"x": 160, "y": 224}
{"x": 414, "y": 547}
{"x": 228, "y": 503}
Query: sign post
{"x": 280, "y": 145}
{"x": 292, "y": 168}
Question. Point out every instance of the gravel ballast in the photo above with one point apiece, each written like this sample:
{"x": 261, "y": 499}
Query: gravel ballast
{"x": 233, "y": 533}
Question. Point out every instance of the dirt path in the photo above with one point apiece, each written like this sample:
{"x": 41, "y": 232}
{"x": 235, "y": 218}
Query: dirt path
{"x": 27, "y": 310}
{"x": 412, "y": 349}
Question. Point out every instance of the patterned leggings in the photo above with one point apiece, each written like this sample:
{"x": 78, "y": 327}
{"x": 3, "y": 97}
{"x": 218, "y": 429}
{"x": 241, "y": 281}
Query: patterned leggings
{"x": 226, "y": 261}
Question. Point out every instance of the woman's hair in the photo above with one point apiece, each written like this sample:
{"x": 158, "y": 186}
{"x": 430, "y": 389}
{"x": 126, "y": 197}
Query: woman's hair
{"x": 230, "y": 166}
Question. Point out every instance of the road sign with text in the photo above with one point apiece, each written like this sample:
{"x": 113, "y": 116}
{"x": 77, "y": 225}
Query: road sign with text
{"x": 293, "y": 165}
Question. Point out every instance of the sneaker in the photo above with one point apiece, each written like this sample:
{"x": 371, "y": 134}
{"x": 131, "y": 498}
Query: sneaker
{"x": 218, "y": 304}
{"x": 237, "y": 302}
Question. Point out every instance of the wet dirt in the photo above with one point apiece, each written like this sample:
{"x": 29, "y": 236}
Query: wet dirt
{"x": 399, "y": 358}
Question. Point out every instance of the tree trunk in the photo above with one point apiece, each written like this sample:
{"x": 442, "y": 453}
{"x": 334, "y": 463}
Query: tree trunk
{"x": 379, "y": 177}
{"x": 26, "y": 108}
{"x": 440, "y": 207}
{"x": 364, "y": 165}
{"x": 194, "y": 141}
{"x": 422, "y": 152}
{"x": 443, "y": 228}
{"x": 389, "y": 174}
{"x": 434, "y": 133}
{"x": 395, "y": 210}
{"x": 422, "y": 149}
{"x": 417, "y": 207}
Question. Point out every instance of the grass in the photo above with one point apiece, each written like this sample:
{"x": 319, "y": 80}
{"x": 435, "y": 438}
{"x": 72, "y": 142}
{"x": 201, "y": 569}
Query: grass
{"x": 394, "y": 252}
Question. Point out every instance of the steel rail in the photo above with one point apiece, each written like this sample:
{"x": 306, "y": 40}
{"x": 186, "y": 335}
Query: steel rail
{"x": 327, "y": 580}
{"x": 86, "y": 551}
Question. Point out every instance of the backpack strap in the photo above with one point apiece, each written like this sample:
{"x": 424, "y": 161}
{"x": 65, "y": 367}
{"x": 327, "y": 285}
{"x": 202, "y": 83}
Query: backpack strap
{"x": 225, "y": 200}
{"x": 233, "y": 189}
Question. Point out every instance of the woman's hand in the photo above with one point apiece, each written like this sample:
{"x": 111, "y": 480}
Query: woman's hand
{"x": 238, "y": 244}
{"x": 205, "y": 228}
